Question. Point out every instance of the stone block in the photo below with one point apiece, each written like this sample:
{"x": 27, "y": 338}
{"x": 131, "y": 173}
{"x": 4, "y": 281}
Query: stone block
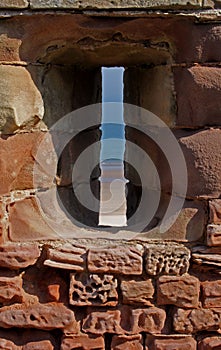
{"x": 130, "y": 342}
{"x": 196, "y": 320}
{"x": 107, "y": 4}
{"x": 41, "y": 316}
{"x": 182, "y": 291}
{"x": 14, "y": 4}
{"x": 213, "y": 235}
{"x": 26, "y": 340}
{"x": 197, "y": 88}
{"x": 210, "y": 343}
{"x": 100, "y": 322}
{"x": 137, "y": 291}
{"x": 11, "y": 290}
{"x": 82, "y": 341}
{"x": 170, "y": 342}
{"x": 91, "y": 289}
{"x": 215, "y": 211}
{"x": 126, "y": 260}
{"x": 21, "y": 170}
{"x": 211, "y": 294}
{"x": 21, "y": 105}
{"x": 166, "y": 258}
{"x": 67, "y": 257}
{"x": 18, "y": 256}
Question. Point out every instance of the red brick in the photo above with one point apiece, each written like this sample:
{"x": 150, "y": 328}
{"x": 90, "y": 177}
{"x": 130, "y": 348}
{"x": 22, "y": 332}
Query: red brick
{"x": 82, "y": 341}
{"x": 16, "y": 171}
{"x": 16, "y": 256}
{"x": 213, "y": 235}
{"x": 215, "y": 211}
{"x": 131, "y": 342}
{"x": 211, "y": 294}
{"x": 125, "y": 321}
{"x": 197, "y": 88}
{"x": 182, "y": 291}
{"x": 197, "y": 320}
{"x": 137, "y": 291}
{"x": 31, "y": 226}
{"x": 126, "y": 260}
{"x": 170, "y": 342}
{"x": 41, "y": 316}
{"x": 210, "y": 343}
{"x": 26, "y": 340}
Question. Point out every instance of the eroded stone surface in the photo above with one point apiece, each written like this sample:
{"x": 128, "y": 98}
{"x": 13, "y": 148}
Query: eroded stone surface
{"x": 137, "y": 291}
{"x": 14, "y": 4}
{"x": 92, "y": 289}
{"x": 206, "y": 256}
{"x": 182, "y": 291}
{"x": 26, "y": 340}
{"x": 82, "y": 341}
{"x": 10, "y": 289}
{"x": 214, "y": 235}
{"x": 170, "y": 342}
{"x": 131, "y": 342}
{"x": 68, "y": 257}
{"x": 102, "y": 322}
{"x": 21, "y": 103}
{"x": 211, "y": 292}
{"x": 209, "y": 343}
{"x": 41, "y": 316}
{"x": 197, "y": 320}
{"x": 126, "y": 260}
{"x": 17, "y": 256}
{"x": 215, "y": 211}
{"x": 169, "y": 259}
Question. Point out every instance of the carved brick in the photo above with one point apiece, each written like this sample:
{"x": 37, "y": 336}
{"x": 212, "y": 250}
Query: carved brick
{"x": 91, "y": 289}
{"x": 197, "y": 320}
{"x": 182, "y": 291}
{"x": 126, "y": 260}
{"x": 169, "y": 259}
{"x": 67, "y": 257}
{"x": 129, "y": 342}
{"x": 82, "y": 341}
{"x": 137, "y": 291}
{"x": 103, "y": 322}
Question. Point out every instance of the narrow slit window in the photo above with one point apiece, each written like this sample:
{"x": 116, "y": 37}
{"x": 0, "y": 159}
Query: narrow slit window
{"x": 113, "y": 204}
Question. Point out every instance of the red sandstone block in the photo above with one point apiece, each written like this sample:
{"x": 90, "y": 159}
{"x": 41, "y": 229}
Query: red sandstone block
{"x": 170, "y": 342}
{"x": 125, "y": 321}
{"x": 197, "y": 88}
{"x": 16, "y": 171}
{"x": 126, "y": 260}
{"x": 16, "y": 256}
{"x": 131, "y": 342}
{"x": 137, "y": 291}
{"x": 26, "y": 340}
{"x": 197, "y": 320}
{"x": 82, "y": 341}
{"x": 213, "y": 235}
{"x": 211, "y": 294}
{"x": 31, "y": 227}
{"x": 210, "y": 343}
{"x": 182, "y": 291}
{"x": 11, "y": 290}
{"x": 215, "y": 211}
{"x": 41, "y": 316}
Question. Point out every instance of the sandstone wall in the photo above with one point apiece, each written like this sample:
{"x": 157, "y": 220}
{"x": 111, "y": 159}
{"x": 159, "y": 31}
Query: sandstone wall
{"x": 62, "y": 291}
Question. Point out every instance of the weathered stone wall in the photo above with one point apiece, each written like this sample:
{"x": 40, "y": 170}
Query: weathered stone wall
{"x": 153, "y": 293}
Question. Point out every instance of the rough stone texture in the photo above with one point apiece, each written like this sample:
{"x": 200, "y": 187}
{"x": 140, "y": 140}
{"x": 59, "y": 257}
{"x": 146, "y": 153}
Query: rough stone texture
{"x": 211, "y": 294}
{"x": 10, "y": 289}
{"x": 41, "y": 316}
{"x": 207, "y": 257}
{"x": 34, "y": 227}
{"x": 26, "y": 340}
{"x": 210, "y": 343}
{"x": 137, "y": 291}
{"x": 14, "y": 4}
{"x": 215, "y": 211}
{"x": 91, "y": 289}
{"x": 21, "y": 103}
{"x": 17, "y": 171}
{"x": 202, "y": 160}
{"x": 107, "y": 4}
{"x": 131, "y": 342}
{"x": 180, "y": 291}
{"x": 67, "y": 257}
{"x": 170, "y": 342}
{"x": 195, "y": 95}
{"x": 126, "y": 260}
{"x": 82, "y": 341}
{"x": 168, "y": 259}
{"x": 125, "y": 321}
{"x": 214, "y": 235}
{"x": 17, "y": 256}
{"x": 197, "y": 320}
